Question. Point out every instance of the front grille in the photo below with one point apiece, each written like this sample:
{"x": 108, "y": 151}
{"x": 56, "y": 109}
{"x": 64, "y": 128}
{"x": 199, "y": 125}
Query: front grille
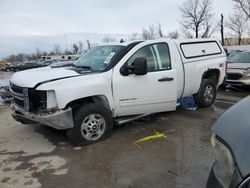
{"x": 234, "y": 76}
{"x": 17, "y": 89}
{"x": 19, "y": 102}
{"x": 20, "y": 96}
{"x": 29, "y": 99}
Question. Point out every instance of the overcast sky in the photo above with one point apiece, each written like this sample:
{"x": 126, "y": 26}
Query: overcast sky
{"x": 30, "y": 24}
{"x": 51, "y": 17}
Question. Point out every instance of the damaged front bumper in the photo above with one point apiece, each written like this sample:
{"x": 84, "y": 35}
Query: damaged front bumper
{"x": 61, "y": 119}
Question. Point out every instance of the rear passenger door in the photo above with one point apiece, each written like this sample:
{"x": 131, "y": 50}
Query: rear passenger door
{"x": 154, "y": 92}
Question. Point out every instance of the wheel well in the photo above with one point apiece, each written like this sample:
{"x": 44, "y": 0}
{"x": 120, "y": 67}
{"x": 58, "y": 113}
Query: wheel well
{"x": 213, "y": 74}
{"x": 93, "y": 99}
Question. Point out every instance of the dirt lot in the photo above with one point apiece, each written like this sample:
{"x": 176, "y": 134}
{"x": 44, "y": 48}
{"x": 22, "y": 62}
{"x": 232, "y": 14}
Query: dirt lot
{"x": 38, "y": 156}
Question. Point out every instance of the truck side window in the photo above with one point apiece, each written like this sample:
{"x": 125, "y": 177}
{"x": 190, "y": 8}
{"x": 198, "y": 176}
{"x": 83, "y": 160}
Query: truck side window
{"x": 148, "y": 53}
{"x": 163, "y": 56}
{"x": 157, "y": 56}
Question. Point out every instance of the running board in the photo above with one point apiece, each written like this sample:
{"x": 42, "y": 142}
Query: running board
{"x": 127, "y": 119}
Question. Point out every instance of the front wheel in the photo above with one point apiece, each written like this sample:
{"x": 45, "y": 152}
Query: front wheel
{"x": 206, "y": 94}
{"x": 92, "y": 123}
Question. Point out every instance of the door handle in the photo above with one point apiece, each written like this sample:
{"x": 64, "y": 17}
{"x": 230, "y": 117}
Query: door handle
{"x": 166, "y": 79}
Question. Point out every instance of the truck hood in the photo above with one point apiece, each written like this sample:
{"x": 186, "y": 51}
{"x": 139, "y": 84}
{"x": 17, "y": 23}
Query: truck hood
{"x": 234, "y": 128}
{"x": 30, "y": 78}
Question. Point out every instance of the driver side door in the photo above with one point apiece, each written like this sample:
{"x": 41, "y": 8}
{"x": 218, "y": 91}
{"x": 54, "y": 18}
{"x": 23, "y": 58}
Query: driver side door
{"x": 153, "y": 92}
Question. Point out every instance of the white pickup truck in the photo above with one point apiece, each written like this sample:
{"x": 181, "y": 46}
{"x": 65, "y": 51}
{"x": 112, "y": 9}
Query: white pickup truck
{"x": 118, "y": 83}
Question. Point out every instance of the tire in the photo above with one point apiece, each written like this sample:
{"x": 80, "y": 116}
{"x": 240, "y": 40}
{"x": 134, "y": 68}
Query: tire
{"x": 206, "y": 94}
{"x": 85, "y": 133}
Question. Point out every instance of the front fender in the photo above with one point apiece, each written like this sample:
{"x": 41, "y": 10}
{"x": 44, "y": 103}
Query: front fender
{"x": 71, "y": 89}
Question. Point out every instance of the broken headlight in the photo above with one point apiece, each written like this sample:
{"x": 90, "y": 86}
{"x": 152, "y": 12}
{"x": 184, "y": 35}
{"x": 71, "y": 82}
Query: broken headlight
{"x": 37, "y": 100}
{"x": 224, "y": 164}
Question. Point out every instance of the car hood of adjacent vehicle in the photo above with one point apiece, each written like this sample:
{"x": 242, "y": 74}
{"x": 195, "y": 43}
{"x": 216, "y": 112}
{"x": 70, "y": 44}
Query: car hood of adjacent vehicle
{"x": 30, "y": 78}
{"x": 234, "y": 128}
{"x": 238, "y": 65}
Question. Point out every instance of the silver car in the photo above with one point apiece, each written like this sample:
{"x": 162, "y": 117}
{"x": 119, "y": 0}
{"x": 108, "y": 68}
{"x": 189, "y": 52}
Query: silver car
{"x": 238, "y": 69}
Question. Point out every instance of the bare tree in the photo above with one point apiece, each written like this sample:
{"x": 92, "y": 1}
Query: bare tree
{"x": 149, "y": 34}
{"x": 209, "y": 28}
{"x": 16, "y": 58}
{"x": 44, "y": 53}
{"x": 237, "y": 24}
{"x": 75, "y": 48}
{"x": 173, "y": 34}
{"x": 67, "y": 52}
{"x": 80, "y": 45}
{"x": 108, "y": 39}
{"x": 134, "y": 36}
{"x": 56, "y": 50}
{"x": 228, "y": 42}
{"x": 159, "y": 31}
{"x": 195, "y": 14}
{"x": 38, "y": 53}
{"x": 88, "y": 44}
{"x": 187, "y": 34}
{"x": 244, "y": 5}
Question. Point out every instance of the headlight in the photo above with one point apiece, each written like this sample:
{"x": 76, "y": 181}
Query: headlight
{"x": 37, "y": 100}
{"x": 224, "y": 165}
{"x": 51, "y": 99}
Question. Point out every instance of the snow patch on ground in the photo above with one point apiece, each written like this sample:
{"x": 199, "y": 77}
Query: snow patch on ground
{"x": 49, "y": 163}
{"x": 10, "y": 177}
{"x": 15, "y": 137}
{"x": 18, "y": 142}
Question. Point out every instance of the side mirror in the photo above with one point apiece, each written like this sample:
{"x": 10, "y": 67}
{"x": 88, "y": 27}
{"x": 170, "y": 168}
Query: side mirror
{"x": 138, "y": 67}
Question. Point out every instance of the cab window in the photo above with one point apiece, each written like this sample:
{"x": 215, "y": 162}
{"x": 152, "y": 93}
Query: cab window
{"x": 157, "y": 56}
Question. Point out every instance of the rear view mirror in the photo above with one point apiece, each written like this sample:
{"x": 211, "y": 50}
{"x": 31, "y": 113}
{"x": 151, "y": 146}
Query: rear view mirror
{"x": 138, "y": 67}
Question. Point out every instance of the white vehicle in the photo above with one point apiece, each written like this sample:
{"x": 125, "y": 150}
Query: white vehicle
{"x": 118, "y": 83}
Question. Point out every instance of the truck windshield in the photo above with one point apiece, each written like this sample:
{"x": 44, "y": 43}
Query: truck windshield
{"x": 98, "y": 58}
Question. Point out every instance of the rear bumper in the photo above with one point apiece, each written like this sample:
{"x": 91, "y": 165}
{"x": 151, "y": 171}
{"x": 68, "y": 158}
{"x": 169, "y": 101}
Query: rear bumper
{"x": 61, "y": 119}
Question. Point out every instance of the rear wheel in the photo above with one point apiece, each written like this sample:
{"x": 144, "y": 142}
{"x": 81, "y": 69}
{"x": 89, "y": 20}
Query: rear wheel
{"x": 206, "y": 94}
{"x": 92, "y": 123}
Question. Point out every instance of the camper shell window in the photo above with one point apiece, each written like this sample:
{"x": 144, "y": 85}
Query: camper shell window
{"x": 200, "y": 49}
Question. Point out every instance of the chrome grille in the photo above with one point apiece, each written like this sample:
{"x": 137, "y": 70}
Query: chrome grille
{"x": 20, "y": 96}
{"x": 234, "y": 76}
